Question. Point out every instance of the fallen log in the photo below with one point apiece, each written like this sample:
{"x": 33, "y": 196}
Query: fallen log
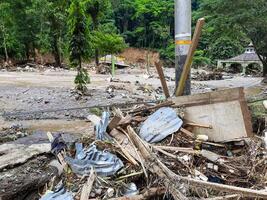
{"x": 23, "y": 181}
{"x": 23, "y": 149}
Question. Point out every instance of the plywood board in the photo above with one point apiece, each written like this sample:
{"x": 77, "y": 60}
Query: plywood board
{"x": 226, "y": 111}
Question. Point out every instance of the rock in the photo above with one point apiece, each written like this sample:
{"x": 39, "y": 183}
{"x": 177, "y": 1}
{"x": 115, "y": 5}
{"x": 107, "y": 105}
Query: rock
{"x": 265, "y": 104}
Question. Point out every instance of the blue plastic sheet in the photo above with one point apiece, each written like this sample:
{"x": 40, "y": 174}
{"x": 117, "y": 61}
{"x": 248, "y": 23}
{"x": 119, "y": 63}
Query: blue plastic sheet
{"x": 59, "y": 194}
{"x": 101, "y": 127}
{"x": 104, "y": 163}
{"x": 160, "y": 124}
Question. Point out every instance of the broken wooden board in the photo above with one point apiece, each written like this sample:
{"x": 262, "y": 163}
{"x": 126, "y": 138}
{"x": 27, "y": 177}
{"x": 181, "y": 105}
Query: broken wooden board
{"x": 225, "y": 111}
{"x": 124, "y": 143}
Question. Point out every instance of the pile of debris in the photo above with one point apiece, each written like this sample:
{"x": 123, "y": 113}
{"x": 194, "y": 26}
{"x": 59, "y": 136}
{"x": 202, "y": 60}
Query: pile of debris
{"x": 206, "y": 76}
{"x": 162, "y": 152}
{"x": 103, "y": 69}
{"x": 12, "y": 133}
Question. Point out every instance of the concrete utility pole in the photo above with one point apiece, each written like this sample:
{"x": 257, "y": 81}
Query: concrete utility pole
{"x": 183, "y": 15}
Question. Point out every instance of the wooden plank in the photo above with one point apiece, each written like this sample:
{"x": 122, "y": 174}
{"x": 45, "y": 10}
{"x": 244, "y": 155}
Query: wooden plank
{"x": 124, "y": 143}
{"x": 87, "y": 187}
{"x": 225, "y": 118}
{"x": 210, "y": 97}
{"x": 162, "y": 80}
{"x": 225, "y": 111}
{"x": 189, "y": 58}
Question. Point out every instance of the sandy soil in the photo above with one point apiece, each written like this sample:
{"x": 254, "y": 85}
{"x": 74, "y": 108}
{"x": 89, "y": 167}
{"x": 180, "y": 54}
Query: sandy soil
{"x": 32, "y": 91}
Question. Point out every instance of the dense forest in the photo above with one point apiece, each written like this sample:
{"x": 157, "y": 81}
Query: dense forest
{"x": 75, "y": 30}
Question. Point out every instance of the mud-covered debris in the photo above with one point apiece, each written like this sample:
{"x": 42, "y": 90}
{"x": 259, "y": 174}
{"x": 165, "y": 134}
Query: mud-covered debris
{"x": 206, "y": 76}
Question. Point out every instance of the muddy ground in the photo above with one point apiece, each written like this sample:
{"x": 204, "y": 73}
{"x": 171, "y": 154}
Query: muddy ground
{"x": 26, "y": 92}
{"x": 49, "y": 90}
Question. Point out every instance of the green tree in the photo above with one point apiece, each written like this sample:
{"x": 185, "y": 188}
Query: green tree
{"x": 200, "y": 60}
{"x": 78, "y": 45}
{"x": 241, "y": 17}
{"x": 97, "y": 10}
{"x": 6, "y": 24}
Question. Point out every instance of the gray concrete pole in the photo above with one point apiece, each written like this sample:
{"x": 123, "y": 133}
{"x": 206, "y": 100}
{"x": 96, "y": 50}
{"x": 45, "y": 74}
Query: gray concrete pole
{"x": 183, "y": 15}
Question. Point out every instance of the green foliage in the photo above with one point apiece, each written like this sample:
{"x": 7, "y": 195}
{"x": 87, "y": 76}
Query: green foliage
{"x": 8, "y": 30}
{"x": 167, "y": 54}
{"x": 239, "y": 18}
{"x": 27, "y": 25}
{"x": 200, "y": 60}
{"x": 108, "y": 43}
{"x": 82, "y": 79}
{"x": 78, "y": 34}
{"x": 225, "y": 48}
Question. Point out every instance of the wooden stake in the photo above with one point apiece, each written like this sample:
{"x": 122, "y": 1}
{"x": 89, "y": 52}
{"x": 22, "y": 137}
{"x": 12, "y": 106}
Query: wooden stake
{"x": 162, "y": 79}
{"x": 87, "y": 187}
{"x": 189, "y": 59}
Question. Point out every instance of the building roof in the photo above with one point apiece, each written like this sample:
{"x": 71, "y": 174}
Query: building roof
{"x": 248, "y": 55}
{"x": 245, "y": 57}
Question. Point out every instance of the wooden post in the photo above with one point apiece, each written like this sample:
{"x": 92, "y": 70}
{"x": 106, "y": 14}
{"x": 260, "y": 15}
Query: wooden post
{"x": 189, "y": 59}
{"x": 113, "y": 65}
{"x": 162, "y": 79}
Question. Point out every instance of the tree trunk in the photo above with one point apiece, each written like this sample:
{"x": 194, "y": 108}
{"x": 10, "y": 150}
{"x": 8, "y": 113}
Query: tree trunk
{"x": 5, "y": 47}
{"x": 27, "y": 51}
{"x": 97, "y": 57}
{"x": 4, "y": 43}
{"x": 80, "y": 65}
{"x": 56, "y": 51}
{"x": 95, "y": 26}
{"x": 265, "y": 69}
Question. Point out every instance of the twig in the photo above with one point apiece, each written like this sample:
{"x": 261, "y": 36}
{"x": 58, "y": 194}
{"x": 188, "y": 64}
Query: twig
{"x": 129, "y": 175}
{"x": 190, "y": 134}
{"x": 198, "y": 125}
{"x": 178, "y": 149}
{"x": 233, "y": 196}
